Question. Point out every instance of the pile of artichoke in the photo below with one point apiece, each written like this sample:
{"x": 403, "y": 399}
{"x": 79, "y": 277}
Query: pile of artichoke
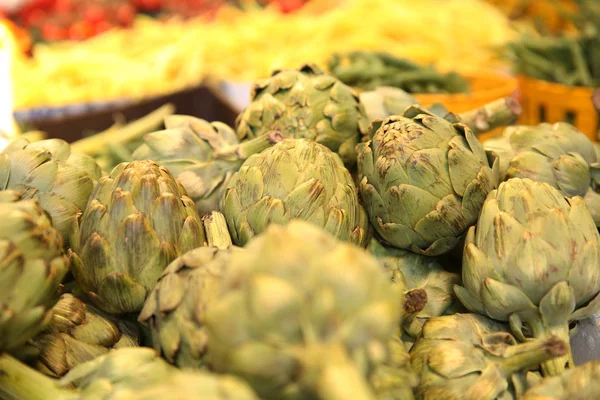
{"x": 302, "y": 255}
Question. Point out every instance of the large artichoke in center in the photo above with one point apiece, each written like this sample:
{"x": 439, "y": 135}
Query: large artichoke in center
{"x": 533, "y": 259}
{"x": 32, "y": 266}
{"x": 423, "y": 180}
{"x": 137, "y": 221}
{"x": 47, "y": 170}
{"x": 296, "y": 178}
{"x": 306, "y": 103}
{"x": 201, "y": 155}
{"x": 302, "y": 315}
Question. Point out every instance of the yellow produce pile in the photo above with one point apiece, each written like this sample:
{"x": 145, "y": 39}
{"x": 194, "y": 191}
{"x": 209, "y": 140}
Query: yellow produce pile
{"x": 154, "y": 58}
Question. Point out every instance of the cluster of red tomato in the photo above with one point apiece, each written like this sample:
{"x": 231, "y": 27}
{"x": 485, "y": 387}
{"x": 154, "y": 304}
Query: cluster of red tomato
{"x": 74, "y": 19}
{"x": 51, "y": 20}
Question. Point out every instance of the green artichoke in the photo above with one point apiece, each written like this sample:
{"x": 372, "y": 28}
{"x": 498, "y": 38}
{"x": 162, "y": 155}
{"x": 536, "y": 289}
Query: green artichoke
{"x": 424, "y": 180}
{"x": 128, "y": 373}
{"x": 385, "y": 101}
{"x": 558, "y": 154}
{"x": 175, "y": 310}
{"x": 201, "y": 155}
{"x": 579, "y": 383}
{"x": 32, "y": 266}
{"x": 532, "y": 260}
{"x": 302, "y": 315}
{"x": 469, "y": 357}
{"x": 296, "y": 178}
{"x": 137, "y": 221}
{"x": 418, "y": 273}
{"x": 47, "y": 170}
{"x": 394, "y": 378}
{"x": 79, "y": 332}
{"x": 306, "y": 103}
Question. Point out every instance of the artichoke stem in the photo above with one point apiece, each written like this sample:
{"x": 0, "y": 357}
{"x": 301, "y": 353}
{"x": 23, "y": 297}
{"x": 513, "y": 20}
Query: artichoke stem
{"x": 248, "y": 147}
{"x": 532, "y": 353}
{"x": 20, "y": 382}
{"x": 557, "y": 365}
{"x": 337, "y": 377}
{"x": 498, "y": 113}
{"x": 217, "y": 234}
{"x": 94, "y": 145}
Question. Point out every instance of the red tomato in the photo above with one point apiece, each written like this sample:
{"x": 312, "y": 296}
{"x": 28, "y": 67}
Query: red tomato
{"x": 34, "y": 17}
{"x": 64, "y": 6}
{"x": 81, "y": 30}
{"x": 52, "y": 32}
{"x": 94, "y": 14}
{"x": 102, "y": 27}
{"x": 125, "y": 14}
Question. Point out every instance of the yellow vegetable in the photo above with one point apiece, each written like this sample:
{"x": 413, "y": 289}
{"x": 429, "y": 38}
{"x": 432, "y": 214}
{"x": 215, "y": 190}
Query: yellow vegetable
{"x": 155, "y": 58}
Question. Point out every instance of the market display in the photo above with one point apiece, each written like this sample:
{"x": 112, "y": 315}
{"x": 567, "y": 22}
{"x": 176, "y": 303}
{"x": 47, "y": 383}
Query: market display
{"x": 344, "y": 236}
{"x": 155, "y": 58}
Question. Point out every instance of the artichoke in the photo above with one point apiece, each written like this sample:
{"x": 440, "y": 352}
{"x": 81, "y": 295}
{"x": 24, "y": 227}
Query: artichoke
{"x": 307, "y": 104}
{"x": 466, "y": 356}
{"x": 418, "y": 273}
{"x": 579, "y": 383}
{"x": 32, "y": 266}
{"x": 394, "y": 378}
{"x": 558, "y": 154}
{"x": 385, "y": 101}
{"x": 296, "y": 178}
{"x": 424, "y": 180}
{"x": 137, "y": 221}
{"x": 132, "y": 374}
{"x": 533, "y": 260}
{"x": 47, "y": 170}
{"x": 302, "y": 315}
{"x": 201, "y": 155}
{"x": 175, "y": 310}
{"x": 79, "y": 332}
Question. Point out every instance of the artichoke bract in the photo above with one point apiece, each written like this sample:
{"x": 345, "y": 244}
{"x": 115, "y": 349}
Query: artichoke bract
{"x": 296, "y": 178}
{"x": 306, "y": 103}
{"x": 302, "y": 315}
{"x": 137, "y": 221}
{"x": 394, "y": 378}
{"x": 47, "y": 171}
{"x": 558, "y": 154}
{"x": 201, "y": 155}
{"x": 467, "y": 356}
{"x": 175, "y": 309}
{"x": 533, "y": 259}
{"x": 32, "y": 266}
{"x": 385, "y": 101}
{"x": 579, "y": 383}
{"x": 423, "y": 277}
{"x": 79, "y": 332}
{"x": 423, "y": 180}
